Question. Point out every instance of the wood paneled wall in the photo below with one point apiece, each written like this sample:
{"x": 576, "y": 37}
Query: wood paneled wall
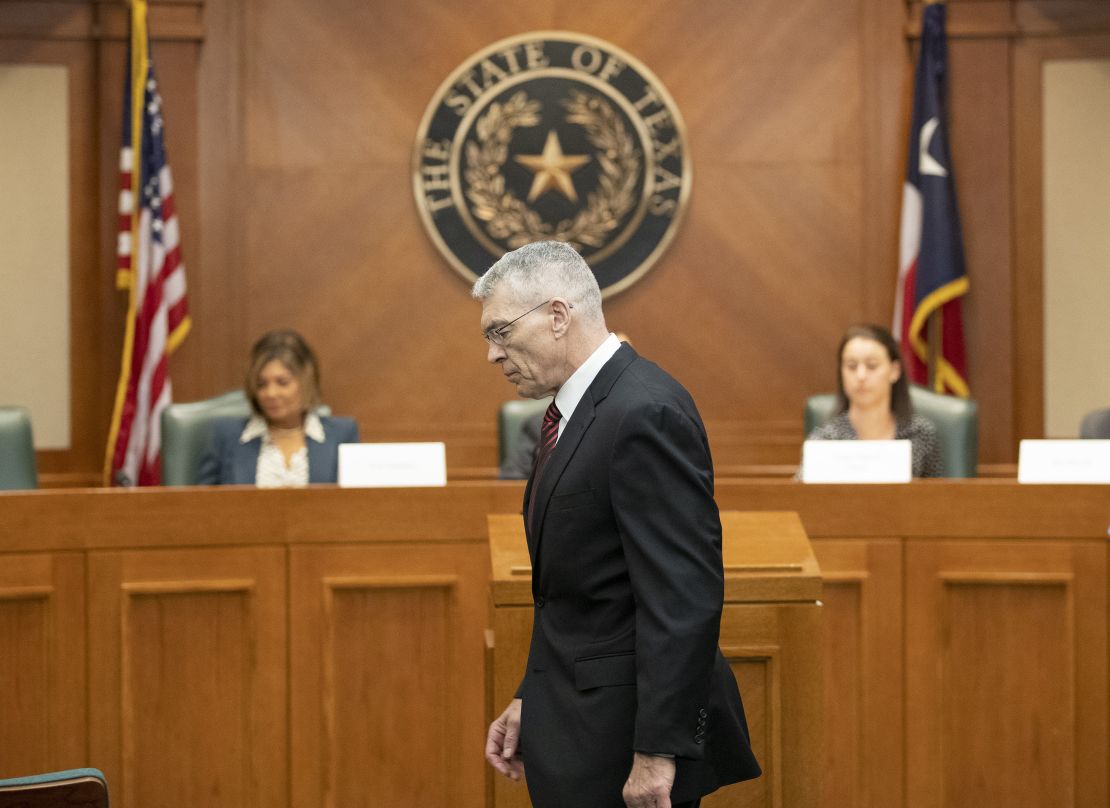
{"x": 290, "y": 130}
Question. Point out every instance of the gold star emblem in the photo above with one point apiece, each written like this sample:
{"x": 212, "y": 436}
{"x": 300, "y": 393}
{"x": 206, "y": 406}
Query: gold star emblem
{"x": 553, "y": 169}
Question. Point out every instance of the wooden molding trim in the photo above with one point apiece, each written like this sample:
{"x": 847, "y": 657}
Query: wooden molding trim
{"x": 70, "y": 480}
{"x": 67, "y": 20}
{"x": 171, "y": 20}
{"x": 1016, "y": 19}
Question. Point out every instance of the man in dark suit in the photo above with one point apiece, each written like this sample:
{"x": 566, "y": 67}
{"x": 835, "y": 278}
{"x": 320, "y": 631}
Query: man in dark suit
{"x": 626, "y": 699}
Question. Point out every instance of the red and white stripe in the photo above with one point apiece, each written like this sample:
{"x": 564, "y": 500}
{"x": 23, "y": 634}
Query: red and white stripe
{"x": 160, "y": 308}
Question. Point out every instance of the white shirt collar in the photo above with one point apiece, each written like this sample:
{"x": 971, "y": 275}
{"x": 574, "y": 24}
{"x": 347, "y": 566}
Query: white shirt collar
{"x": 256, "y": 428}
{"x": 579, "y": 382}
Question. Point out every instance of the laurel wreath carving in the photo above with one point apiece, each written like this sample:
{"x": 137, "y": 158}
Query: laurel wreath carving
{"x": 511, "y": 220}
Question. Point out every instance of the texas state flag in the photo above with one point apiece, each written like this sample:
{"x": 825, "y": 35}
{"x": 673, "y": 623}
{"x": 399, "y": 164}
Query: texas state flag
{"x": 931, "y": 273}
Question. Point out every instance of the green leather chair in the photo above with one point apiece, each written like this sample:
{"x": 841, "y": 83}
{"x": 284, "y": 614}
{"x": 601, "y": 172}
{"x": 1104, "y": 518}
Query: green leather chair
{"x": 17, "y": 450}
{"x": 1095, "y": 425}
{"x": 187, "y": 431}
{"x": 956, "y": 420}
{"x": 65, "y": 789}
{"x": 511, "y": 418}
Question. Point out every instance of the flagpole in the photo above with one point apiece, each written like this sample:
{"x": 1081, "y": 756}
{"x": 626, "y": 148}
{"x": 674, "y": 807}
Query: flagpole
{"x": 933, "y": 332}
{"x": 934, "y": 329}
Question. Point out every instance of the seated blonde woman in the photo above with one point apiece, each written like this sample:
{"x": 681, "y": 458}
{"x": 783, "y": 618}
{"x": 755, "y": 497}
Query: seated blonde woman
{"x": 284, "y": 443}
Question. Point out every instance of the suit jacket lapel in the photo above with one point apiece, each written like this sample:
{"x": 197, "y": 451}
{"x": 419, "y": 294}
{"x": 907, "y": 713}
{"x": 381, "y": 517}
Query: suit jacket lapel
{"x": 246, "y": 461}
{"x": 565, "y": 449}
{"x": 562, "y": 453}
{"x": 317, "y": 460}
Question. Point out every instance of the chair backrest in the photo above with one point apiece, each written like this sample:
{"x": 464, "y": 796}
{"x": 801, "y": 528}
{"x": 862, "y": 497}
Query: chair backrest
{"x": 17, "y": 450}
{"x": 1096, "y": 424}
{"x": 511, "y": 417}
{"x": 956, "y": 420}
{"x": 84, "y": 787}
{"x": 187, "y": 431}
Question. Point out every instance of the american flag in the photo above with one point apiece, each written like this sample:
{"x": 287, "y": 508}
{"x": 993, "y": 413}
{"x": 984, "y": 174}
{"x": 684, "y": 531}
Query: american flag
{"x": 931, "y": 273}
{"x": 150, "y": 268}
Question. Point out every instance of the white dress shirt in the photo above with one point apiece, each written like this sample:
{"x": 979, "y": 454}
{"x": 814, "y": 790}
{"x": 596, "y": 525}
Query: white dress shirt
{"x": 579, "y": 382}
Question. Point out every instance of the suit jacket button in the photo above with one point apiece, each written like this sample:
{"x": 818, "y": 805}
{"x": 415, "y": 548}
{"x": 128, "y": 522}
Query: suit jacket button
{"x": 702, "y": 712}
{"x": 539, "y": 602}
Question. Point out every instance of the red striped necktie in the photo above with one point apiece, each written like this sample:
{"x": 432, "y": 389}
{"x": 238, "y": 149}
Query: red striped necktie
{"x": 549, "y": 433}
{"x": 549, "y": 436}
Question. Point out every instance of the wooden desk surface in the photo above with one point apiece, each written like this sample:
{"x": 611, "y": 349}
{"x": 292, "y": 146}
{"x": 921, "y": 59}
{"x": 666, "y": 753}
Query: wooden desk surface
{"x": 69, "y": 519}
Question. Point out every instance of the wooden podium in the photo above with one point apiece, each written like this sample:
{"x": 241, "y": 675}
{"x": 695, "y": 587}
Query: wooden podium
{"x": 770, "y": 634}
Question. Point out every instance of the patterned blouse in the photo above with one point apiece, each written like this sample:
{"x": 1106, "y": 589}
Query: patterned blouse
{"x": 920, "y": 432}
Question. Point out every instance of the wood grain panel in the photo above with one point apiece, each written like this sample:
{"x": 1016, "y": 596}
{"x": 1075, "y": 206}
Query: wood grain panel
{"x": 863, "y": 694}
{"x": 758, "y": 677}
{"x": 83, "y": 520}
{"x": 290, "y": 135}
{"x": 196, "y": 640}
{"x": 1062, "y": 17}
{"x": 1006, "y": 673}
{"x": 885, "y": 113}
{"x": 47, "y": 19}
{"x": 979, "y": 120}
{"x": 1019, "y": 19}
{"x": 391, "y": 657}
{"x": 512, "y": 634}
{"x": 216, "y": 296}
{"x": 843, "y": 609}
{"x": 327, "y": 151}
{"x": 973, "y": 550}
{"x": 406, "y": 627}
{"x": 774, "y": 650}
{"x": 24, "y": 617}
{"x": 42, "y": 663}
{"x": 167, "y": 20}
{"x": 191, "y": 694}
{"x": 985, "y": 508}
{"x": 998, "y": 637}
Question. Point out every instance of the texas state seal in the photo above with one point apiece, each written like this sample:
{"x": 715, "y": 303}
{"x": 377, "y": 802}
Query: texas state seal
{"x": 552, "y": 135}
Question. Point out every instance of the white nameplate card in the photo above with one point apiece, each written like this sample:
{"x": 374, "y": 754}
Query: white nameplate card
{"x": 857, "y": 461}
{"x": 392, "y": 465}
{"x": 1064, "y": 461}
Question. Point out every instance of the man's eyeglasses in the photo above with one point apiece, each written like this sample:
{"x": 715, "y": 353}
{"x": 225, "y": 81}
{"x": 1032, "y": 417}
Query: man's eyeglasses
{"x": 497, "y": 336}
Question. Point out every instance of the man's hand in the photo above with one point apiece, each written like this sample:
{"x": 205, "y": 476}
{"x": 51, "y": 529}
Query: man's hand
{"x": 649, "y": 783}
{"x": 503, "y": 743}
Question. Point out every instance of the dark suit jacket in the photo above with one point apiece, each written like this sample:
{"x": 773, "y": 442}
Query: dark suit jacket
{"x": 628, "y": 587}
{"x": 229, "y": 462}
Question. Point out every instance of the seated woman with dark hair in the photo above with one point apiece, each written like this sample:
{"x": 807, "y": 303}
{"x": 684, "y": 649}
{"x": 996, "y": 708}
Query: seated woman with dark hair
{"x": 873, "y": 399}
{"x": 285, "y": 443}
